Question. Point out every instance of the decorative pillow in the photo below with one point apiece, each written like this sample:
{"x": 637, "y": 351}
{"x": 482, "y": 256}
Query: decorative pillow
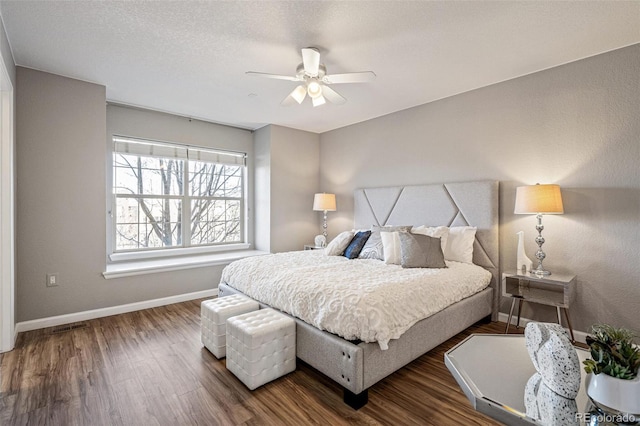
{"x": 441, "y": 232}
{"x": 337, "y": 246}
{"x": 459, "y": 246}
{"x": 374, "y": 249}
{"x": 420, "y": 251}
{"x": 355, "y": 246}
{"x": 391, "y": 247}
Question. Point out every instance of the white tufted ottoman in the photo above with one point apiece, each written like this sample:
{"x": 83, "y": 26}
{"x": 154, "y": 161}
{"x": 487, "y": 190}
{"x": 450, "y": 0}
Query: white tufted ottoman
{"x": 213, "y": 319}
{"x": 261, "y": 346}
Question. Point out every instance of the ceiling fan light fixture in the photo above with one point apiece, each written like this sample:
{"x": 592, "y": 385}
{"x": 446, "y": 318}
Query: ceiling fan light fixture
{"x": 314, "y": 89}
{"x": 313, "y": 80}
{"x": 318, "y": 100}
{"x": 299, "y": 93}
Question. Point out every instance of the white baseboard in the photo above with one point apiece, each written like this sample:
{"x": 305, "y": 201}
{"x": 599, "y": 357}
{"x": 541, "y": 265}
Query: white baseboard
{"x": 138, "y": 306}
{"x": 112, "y": 310}
{"x": 580, "y": 336}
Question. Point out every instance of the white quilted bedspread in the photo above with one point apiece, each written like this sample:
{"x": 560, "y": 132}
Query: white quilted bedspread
{"x": 357, "y": 299}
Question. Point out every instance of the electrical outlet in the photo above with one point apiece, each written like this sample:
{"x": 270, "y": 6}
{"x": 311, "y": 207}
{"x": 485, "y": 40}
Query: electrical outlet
{"x": 52, "y": 280}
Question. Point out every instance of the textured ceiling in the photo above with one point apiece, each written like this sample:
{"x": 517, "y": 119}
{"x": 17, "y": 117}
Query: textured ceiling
{"x": 190, "y": 57}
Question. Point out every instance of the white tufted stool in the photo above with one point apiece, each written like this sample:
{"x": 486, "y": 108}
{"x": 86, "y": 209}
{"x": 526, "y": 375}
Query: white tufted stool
{"x": 261, "y": 346}
{"x": 213, "y": 319}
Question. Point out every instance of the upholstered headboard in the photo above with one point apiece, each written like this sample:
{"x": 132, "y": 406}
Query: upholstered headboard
{"x": 449, "y": 204}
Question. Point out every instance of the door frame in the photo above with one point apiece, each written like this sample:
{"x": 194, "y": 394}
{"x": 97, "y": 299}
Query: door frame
{"x": 7, "y": 211}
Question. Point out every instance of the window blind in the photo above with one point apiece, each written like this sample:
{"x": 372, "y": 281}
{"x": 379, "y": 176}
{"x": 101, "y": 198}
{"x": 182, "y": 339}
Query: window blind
{"x": 124, "y": 145}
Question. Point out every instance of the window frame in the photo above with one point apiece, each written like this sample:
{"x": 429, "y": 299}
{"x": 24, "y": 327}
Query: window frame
{"x": 187, "y": 248}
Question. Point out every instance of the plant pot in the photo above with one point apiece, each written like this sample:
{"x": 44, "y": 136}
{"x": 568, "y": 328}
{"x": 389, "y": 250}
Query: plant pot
{"x": 614, "y": 395}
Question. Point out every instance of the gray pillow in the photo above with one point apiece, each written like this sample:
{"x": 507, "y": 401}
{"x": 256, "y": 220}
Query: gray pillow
{"x": 373, "y": 248}
{"x": 420, "y": 251}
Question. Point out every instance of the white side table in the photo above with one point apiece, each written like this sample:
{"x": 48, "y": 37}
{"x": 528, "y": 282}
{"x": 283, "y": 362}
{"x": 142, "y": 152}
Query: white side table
{"x": 557, "y": 290}
{"x": 312, "y": 247}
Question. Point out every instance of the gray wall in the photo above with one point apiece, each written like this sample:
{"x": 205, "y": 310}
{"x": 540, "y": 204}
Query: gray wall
{"x": 287, "y": 176}
{"x": 576, "y": 125}
{"x": 262, "y": 185}
{"x": 61, "y": 199}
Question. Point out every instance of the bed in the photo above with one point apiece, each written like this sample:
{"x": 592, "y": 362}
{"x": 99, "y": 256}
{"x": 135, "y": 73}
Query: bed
{"x": 357, "y": 365}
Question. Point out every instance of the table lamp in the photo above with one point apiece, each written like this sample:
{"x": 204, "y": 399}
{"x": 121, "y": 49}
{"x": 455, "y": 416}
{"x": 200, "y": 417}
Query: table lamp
{"x": 325, "y": 203}
{"x": 539, "y": 199}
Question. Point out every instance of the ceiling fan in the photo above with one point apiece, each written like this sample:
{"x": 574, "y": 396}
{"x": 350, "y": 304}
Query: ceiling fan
{"x": 315, "y": 81}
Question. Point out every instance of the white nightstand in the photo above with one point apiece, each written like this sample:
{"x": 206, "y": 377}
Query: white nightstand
{"x": 557, "y": 290}
{"x": 311, "y": 247}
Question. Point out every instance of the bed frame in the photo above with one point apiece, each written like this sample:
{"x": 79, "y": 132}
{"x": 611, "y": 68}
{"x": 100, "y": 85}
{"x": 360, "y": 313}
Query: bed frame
{"x": 356, "y": 366}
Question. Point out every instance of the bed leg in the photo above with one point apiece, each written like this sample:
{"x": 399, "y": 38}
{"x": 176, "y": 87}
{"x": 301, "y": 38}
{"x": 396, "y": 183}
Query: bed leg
{"x": 356, "y": 401}
{"x": 485, "y": 320}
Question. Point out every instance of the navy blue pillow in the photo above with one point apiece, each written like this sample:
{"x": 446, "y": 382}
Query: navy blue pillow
{"x": 355, "y": 246}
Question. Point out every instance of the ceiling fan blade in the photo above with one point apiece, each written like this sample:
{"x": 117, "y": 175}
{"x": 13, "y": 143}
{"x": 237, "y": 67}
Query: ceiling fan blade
{"x": 311, "y": 61}
{"x": 297, "y": 95}
{"x": 288, "y": 101}
{"x": 333, "y": 96}
{"x": 350, "y": 77}
{"x": 317, "y": 101}
{"x": 276, "y": 76}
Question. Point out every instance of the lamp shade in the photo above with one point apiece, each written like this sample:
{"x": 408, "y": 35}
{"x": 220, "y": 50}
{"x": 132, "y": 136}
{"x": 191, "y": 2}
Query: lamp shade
{"x": 314, "y": 89}
{"x": 299, "y": 93}
{"x": 322, "y": 202}
{"x": 534, "y": 199}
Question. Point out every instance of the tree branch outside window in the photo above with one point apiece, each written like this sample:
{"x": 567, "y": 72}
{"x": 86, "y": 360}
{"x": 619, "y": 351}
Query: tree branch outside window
{"x": 175, "y": 202}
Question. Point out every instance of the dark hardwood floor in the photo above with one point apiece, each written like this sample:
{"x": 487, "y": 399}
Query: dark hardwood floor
{"x": 149, "y": 368}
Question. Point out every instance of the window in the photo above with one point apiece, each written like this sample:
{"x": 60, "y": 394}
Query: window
{"x": 174, "y": 196}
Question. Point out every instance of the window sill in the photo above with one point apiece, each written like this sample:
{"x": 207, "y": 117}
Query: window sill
{"x": 152, "y": 266}
{"x": 174, "y": 252}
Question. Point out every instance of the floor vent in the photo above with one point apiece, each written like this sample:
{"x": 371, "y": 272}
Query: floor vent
{"x": 68, "y": 327}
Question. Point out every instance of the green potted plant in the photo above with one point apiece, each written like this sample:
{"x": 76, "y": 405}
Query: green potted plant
{"x": 613, "y": 382}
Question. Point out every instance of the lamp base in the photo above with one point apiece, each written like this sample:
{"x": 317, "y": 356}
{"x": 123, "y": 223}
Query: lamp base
{"x": 324, "y": 225}
{"x": 540, "y": 271}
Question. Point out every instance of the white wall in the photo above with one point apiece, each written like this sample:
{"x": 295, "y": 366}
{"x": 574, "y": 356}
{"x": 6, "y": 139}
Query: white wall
{"x": 576, "y": 125}
{"x": 287, "y": 176}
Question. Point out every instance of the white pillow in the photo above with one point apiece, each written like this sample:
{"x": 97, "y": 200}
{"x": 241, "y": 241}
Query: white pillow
{"x": 338, "y": 245}
{"x": 459, "y": 246}
{"x": 441, "y": 232}
{"x": 391, "y": 247}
